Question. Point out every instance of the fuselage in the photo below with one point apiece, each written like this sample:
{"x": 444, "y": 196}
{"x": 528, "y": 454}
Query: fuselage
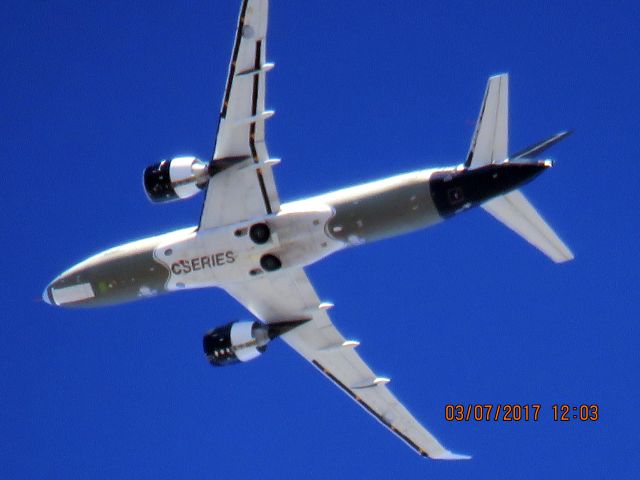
{"x": 302, "y": 232}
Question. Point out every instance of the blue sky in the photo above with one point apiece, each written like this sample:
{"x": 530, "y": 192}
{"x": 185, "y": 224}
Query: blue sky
{"x": 462, "y": 313}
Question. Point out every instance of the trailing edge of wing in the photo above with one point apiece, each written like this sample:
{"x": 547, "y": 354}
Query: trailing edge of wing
{"x": 515, "y": 211}
{"x": 289, "y": 295}
{"x": 416, "y": 436}
{"x": 237, "y": 194}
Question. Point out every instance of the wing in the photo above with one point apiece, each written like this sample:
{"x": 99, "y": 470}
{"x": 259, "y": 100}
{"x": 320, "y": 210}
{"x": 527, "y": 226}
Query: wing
{"x": 247, "y": 189}
{"x": 288, "y": 295}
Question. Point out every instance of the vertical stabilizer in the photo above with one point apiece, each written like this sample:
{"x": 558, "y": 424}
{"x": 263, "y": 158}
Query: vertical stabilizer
{"x": 490, "y": 144}
{"x": 490, "y": 141}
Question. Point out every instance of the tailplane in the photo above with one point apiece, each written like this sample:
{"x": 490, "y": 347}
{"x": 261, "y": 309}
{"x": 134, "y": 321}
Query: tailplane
{"x": 515, "y": 212}
{"x": 490, "y": 145}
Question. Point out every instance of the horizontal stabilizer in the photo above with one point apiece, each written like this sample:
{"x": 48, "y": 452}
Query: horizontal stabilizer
{"x": 515, "y": 211}
{"x": 536, "y": 149}
{"x": 490, "y": 141}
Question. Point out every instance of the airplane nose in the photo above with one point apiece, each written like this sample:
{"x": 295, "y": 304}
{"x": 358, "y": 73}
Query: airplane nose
{"x": 45, "y": 295}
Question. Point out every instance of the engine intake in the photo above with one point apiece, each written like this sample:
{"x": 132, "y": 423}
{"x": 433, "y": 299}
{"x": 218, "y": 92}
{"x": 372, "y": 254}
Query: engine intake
{"x": 174, "y": 179}
{"x": 183, "y": 177}
{"x": 242, "y": 341}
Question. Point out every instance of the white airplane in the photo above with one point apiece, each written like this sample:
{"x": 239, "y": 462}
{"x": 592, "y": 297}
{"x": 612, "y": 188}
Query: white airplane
{"x": 256, "y": 248}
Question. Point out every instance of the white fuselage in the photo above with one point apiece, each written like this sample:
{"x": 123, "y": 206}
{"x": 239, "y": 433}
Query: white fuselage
{"x": 302, "y": 232}
{"x": 216, "y": 256}
{"x": 299, "y": 234}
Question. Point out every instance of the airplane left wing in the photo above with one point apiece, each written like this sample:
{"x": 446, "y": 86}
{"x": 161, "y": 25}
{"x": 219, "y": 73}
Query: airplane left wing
{"x": 288, "y": 295}
{"x": 247, "y": 189}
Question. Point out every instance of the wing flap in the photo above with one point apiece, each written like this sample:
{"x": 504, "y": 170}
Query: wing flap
{"x": 289, "y": 295}
{"x": 239, "y": 193}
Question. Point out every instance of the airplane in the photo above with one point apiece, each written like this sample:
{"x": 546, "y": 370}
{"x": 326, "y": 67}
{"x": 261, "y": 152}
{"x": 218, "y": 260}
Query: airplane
{"x": 255, "y": 248}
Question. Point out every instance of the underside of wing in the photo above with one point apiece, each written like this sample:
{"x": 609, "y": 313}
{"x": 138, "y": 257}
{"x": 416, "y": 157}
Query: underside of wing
{"x": 247, "y": 189}
{"x": 288, "y": 295}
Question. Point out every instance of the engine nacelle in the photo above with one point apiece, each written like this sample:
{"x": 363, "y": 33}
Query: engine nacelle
{"x": 235, "y": 342}
{"x": 174, "y": 179}
{"x": 242, "y": 341}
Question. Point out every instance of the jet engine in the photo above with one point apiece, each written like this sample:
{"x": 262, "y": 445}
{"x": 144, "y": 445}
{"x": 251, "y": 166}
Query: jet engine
{"x": 174, "y": 179}
{"x": 238, "y": 342}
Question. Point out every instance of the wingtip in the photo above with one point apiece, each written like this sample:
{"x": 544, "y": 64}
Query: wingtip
{"x": 564, "y": 258}
{"x": 448, "y": 455}
{"x": 566, "y": 133}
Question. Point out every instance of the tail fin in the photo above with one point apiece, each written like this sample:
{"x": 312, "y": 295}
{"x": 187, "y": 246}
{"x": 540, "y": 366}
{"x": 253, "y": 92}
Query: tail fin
{"x": 490, "y": 144}
{"x": 490, "y": 141}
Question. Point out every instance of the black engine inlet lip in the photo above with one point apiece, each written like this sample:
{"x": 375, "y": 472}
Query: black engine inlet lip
{"x": 157, "y": 183}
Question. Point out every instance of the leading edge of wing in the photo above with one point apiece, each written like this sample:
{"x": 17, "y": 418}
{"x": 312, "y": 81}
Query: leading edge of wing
{"x": 288, "y": 294}
{"x": 436, "y": 454}
{"x": 247, "y": 189}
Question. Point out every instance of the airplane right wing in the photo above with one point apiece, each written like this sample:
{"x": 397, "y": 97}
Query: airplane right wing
{"x": 288, "y": 295}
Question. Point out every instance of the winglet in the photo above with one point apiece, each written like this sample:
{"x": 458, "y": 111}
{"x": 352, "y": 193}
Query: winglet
{"x": 448, "y": 455}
